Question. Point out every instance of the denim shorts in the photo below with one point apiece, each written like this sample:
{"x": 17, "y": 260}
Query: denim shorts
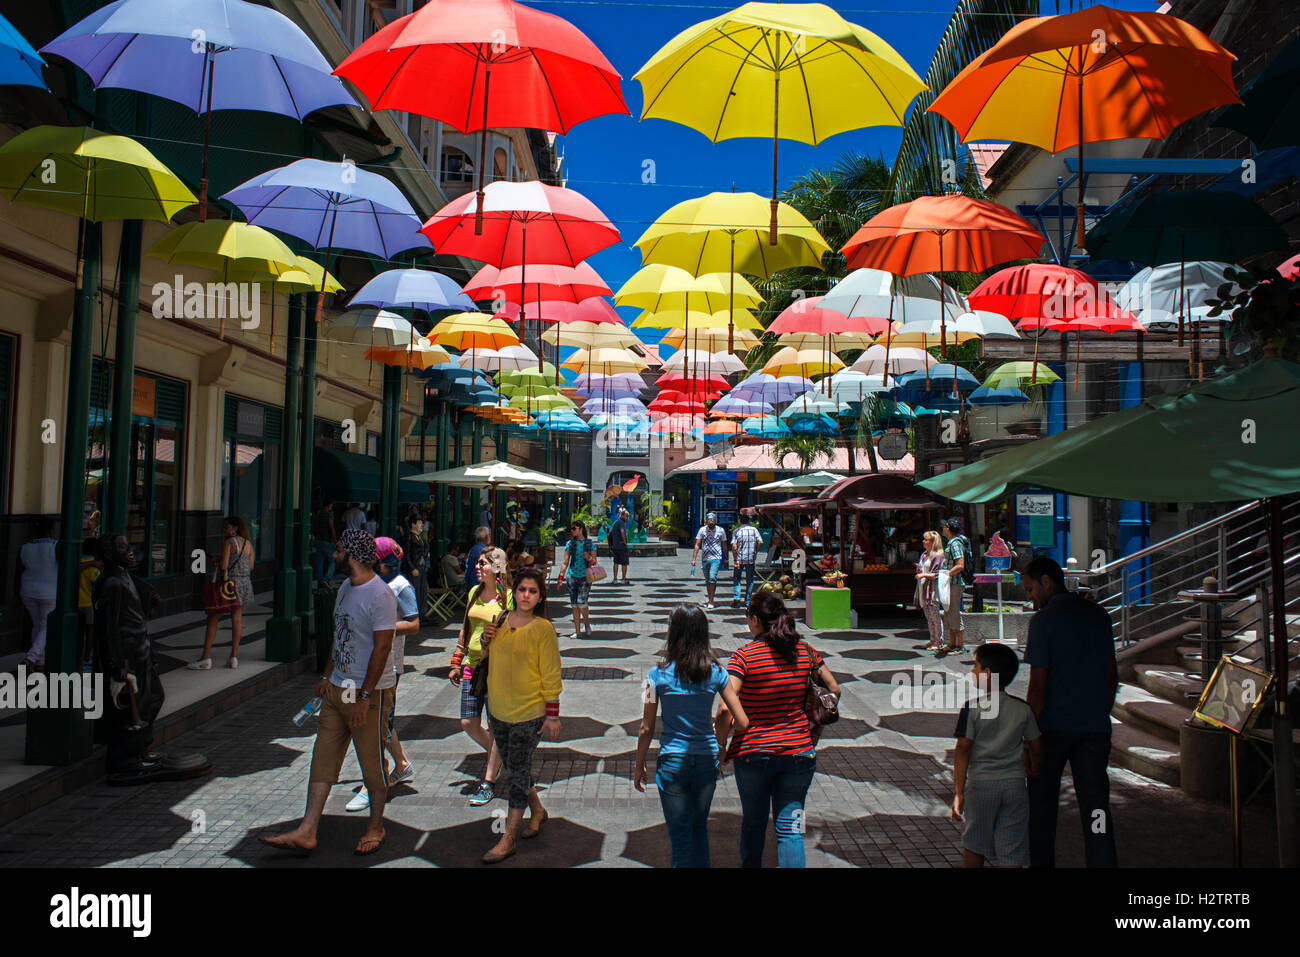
{"x": 470, "y": 706}
{"x": 579, "y": 591}
{"x": 710, "y": 568}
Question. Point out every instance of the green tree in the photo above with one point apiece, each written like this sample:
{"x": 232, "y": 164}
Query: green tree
{"x": 805, "y": 448}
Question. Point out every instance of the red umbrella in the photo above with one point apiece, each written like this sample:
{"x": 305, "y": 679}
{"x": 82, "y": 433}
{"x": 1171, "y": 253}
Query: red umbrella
{"x": 807, "y": 315}
{"x": 1291, "y": 268}
{"x": 595, "y": 310}
{"x": 570, "y": 283}
{"x": 937, "y": 233}
{"x": 440, "y": 62}
{"x": 694, "y": 384}
{"x": 677, "y": 423}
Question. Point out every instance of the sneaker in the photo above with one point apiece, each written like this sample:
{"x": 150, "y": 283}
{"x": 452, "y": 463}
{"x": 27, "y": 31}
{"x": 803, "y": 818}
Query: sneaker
{"x": 708, "y": 606}
{"x": 204, "y": 664}
{"x": 401, "y": 775}
{"x": 484, "y": 794}
{"x": 360, "y": 802}
{"x": 574, "y": 637}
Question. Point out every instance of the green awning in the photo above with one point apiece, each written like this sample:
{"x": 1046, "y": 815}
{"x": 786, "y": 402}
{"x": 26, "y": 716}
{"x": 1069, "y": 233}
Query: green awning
{"x": 1226, "y": 440}
{"x": 348, "y": 477}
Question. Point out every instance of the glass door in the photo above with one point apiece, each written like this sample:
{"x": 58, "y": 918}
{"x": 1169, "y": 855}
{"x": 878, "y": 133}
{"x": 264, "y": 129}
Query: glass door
{"x": 139, "y": 521}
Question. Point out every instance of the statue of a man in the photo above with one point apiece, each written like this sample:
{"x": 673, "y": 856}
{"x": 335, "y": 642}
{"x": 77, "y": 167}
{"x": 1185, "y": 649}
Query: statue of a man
{"x": 123, "y": 653}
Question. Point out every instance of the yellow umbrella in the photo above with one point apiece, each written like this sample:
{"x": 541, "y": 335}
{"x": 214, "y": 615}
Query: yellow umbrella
{"x": 692, "y": 320}
{"x": 724, "y": 77}
{"x": 305, "y": 276}
{"x": 659, "y": 286}
{"x": 810, "y": 340}
{"x": 607, "y": 361}
{"x": 714, "y": 340}
{"x": 220, "y": 244}
{"x": 805, "y": 362}
{"x": 472, "y": 330}
{"x": 588, "y": 335}
{"x": 904, "y": 337}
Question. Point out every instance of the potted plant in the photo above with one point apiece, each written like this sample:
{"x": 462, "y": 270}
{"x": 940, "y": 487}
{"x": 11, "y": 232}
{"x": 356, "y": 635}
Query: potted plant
{"x": 546, "y": 542}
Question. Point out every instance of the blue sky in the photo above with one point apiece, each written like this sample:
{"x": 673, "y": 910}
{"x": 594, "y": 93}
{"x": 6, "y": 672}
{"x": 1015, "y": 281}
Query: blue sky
{"x": 606, "y": 155}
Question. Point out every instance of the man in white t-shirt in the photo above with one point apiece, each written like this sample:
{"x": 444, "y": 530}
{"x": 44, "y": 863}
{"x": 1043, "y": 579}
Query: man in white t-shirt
{"x": 354, "y": 518}
{"x": 355, "y": 688}
{"x": 711, "y": 547}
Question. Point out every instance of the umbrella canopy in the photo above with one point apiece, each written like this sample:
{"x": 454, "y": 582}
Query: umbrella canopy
{"x": 813, "y": 425}
{"x": 472, "y": 330}
{"x": 808, "y": 362}
{"x": 1158, "y": 295}
{"x": 691, "y": 320}
{"x": 985, "y": 395}
{"x": 724, "y": 77}
{"x": 1037, "y": 290}
{"x": 20, "y": 64}
{"x": 546, "y": 282}
{"x": 591, "y": 335}
{"x": 420, "y": 354}
{"x": 522, "y": 221}
{"x": 597, "y": 382}
{"x": 627, "y": 406}
{"x": 730, "y": 233}
{"x": 1161, "y": 445}
{"x": 1269, "y": 112}
{"x": 1020, "y": 374}
{"x": 331, "y": 206}
{"x": 809, "y": 315}
{"x": 497, "y": 474}
{"x": 763, "y": 387}
{"x": 712, "y": 340}
{"x": 939, "y": 233}
{"x": 1084, "y": 77}
{"x": 850, "y": 386}
{"x": 712, "y": 363}
{"x": 658, "y": 287}
{"x": 421, "y": 289}
{"x": 592, "y": 310}
{"x": 765, "y": 427}
{"x": 876, "y": 294}
{"x": 799, "y": 341}
{"x": 876, "y": 361}
{"x": 808, "y": 481}
{"x": 722, "y": 427}
{"x": 97, "y": 176}
{"x": 506, "y": 358}
{"x": 1184, "y": 225}
{"x": 942, "y": 374}
{"x": 677, "y": 424}
{"x": 732, "y": 405}
{"x": 225, "y": 245}
{"x": 604, "y": 360}
{"x": 375, "y": 326}
{"x": 693, "y": 384}
{"x": 976, "y": 325}
{"x": 810, "y": 403}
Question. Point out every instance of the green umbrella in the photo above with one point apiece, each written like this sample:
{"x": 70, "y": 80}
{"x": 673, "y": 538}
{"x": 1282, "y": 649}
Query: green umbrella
{"x": 809, "y": 480}
{"x": 1181, "y": 225}
{"x": 1226, "y": 440}
{"x": 1269, "y": 111}
{"x": 1017, "y": 374}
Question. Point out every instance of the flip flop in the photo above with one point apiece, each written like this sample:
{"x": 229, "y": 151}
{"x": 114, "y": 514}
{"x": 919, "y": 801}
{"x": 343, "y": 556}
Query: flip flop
{"x": 378, "y": 844}
{"x": 293, "y": 850}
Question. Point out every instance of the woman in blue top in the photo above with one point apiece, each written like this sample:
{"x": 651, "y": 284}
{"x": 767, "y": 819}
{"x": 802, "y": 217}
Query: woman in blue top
{"x": 685, "y": 681}
{"x": 579, "y": 552}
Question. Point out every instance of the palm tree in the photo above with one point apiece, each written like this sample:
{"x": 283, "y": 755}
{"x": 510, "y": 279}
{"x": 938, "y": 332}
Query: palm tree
{"x": 805, "y": 448}
{"x": 931, "y": 159}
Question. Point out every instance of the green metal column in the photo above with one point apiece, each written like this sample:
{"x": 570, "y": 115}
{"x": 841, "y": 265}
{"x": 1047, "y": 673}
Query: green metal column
{"x": 284, "y": 630}
{"x": 119, "y": 421}
{"x": 307, "y": 447}
{"x": 64, "y": 735}
{"x": 442, "y": 513}
{"x": 503, "y": 448}
{"x": 388, "y": 448}
{"x": 394, "y": 471}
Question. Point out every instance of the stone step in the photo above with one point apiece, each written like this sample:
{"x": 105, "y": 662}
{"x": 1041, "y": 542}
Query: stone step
{"x": 1145, "y": 754}
{"x": 1143, "y": 711}
{"x": 1168, "y": 682}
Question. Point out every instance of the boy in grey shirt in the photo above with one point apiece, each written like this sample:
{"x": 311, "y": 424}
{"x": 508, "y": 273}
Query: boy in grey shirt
{"x": 997, "y": 745}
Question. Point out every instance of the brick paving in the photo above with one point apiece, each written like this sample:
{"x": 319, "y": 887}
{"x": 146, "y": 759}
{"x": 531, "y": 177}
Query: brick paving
{"x": 880, "y": 797}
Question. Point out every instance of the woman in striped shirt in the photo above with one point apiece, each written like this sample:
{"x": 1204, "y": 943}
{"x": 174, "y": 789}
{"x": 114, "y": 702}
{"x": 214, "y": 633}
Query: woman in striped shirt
{"x": 775, "y": 756}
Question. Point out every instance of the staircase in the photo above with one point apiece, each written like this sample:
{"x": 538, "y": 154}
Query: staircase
{"x": 1159, "y": 634}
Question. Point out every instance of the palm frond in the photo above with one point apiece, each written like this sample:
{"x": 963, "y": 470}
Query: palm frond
{"x": 928, "y": 138}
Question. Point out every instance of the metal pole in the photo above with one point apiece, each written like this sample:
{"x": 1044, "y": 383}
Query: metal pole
{"x": 119, "y": 421}
{"x": 1223, "y": 557}
{"x": 307, "y": 450}
{"x": 1283, "y": 751}
{"x": 284, "y": 630}
{"x": 1236, "y": 800}
{"x": 61, "y": 736}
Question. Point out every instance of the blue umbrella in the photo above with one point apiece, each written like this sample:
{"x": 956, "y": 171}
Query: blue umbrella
{"x": 762, "y": 387}
{"x": 447, "y": 373}
{"x": 765, "y": 427}
{"x": 999, "y": 396}
{"x": 421, "y": 289}
{"x": 731, "y": 404}
{"x": 813, "y": 425}
{"x": 254, "y": 58}
{"x": 937, "y": 375}
{"x": 20, "y": 64}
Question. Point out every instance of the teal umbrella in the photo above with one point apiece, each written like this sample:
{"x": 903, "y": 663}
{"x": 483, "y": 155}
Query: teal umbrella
{"x": 1269, "y": 111}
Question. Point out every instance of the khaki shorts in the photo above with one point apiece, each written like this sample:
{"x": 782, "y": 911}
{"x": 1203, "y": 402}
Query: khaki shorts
{"x": 952, "y": 614}
{"x": 333, "y": 735}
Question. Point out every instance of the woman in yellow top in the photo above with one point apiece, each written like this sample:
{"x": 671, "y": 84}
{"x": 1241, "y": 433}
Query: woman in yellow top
{"x": 485, "y": 603}
{"x": 523, "y": 701}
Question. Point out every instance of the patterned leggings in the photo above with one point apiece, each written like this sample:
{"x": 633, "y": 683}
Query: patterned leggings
{"x": 516, "y": 744}
{"x": 934, "y": 619}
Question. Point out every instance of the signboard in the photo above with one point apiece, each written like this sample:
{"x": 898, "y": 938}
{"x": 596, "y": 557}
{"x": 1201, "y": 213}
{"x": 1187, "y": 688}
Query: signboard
{"x": 717, "y": 476}
{"x": 1035, "y": 505}
{"x": 1233, "y": 696}
{"x": 759, "y": 478}
{"x": 892, "y": 446}
{"x": 144, "y": 394}
{"x": 251, "y": 419}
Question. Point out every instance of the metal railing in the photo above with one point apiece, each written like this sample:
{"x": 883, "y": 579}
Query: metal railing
{"x": 1140, "y": 591}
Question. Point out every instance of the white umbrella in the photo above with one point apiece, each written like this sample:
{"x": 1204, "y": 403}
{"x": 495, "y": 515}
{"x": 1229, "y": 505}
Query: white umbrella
{"x": 1158, "y": 294}
{"x": 900, "y": 360}
{"x": 715, "y": 363}
{"x": 510, "y": 358}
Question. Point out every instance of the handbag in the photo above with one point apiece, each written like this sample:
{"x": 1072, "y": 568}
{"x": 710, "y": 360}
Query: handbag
{"x": 821, "y": 707}
{"x": 220, "y": 597}
{"x": 594, "y": 570}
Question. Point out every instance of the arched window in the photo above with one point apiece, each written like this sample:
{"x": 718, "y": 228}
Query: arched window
{"x": 499, "y": 163}
{"x": 457, "y": 167}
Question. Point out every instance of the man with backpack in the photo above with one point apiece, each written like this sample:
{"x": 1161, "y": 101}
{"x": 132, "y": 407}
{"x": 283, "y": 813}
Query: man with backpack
{"x": 957, "y": 560}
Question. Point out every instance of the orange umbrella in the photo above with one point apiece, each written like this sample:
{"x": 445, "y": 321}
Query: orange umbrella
{"x": 1085, "y": 77}
{"x": 723, "y": 427}
{"x": 936, "y": 233}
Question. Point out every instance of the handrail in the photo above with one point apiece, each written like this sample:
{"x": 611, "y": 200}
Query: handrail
{"x": 1165, "y": 543}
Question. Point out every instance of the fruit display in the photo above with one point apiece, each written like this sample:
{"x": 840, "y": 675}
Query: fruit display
{"x": 784, "y": 587}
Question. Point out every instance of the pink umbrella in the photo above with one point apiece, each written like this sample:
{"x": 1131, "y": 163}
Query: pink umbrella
{"x": 546, "y": 282}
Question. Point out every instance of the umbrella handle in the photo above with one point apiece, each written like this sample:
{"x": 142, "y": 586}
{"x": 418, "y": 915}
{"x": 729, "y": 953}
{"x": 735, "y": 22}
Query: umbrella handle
{"x": 482, "y": 160}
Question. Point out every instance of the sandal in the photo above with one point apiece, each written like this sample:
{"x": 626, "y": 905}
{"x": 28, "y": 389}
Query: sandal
{"x": 377, "y": 841}
{"x": 534, "y": 829}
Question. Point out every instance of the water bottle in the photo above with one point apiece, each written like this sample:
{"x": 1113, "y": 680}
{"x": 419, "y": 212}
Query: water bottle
{"x": 310, "y": 709}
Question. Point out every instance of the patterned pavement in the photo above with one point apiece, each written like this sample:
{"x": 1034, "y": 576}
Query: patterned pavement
{"x": 880, "y": 796}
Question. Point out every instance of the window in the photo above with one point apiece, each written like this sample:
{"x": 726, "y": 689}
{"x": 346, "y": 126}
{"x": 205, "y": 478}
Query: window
{"x": 372, "y": 444}
{"x": 499, "y": 163}
{"x": 456, "y": 167}
{"x": 250, "y": 480}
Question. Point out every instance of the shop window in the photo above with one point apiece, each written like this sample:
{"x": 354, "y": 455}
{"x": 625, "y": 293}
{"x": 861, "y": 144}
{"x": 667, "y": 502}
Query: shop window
{"x": 250, "y": 486}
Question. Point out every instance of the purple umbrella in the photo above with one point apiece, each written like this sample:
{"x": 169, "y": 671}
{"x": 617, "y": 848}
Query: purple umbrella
{"x": 420, "y": 289}
{"x": 732, "y": 404}
{"x": 331, "y": 206}
{"x": 623, "y": 406}
{"x": 762, "y": 387}
{"x": 206, "y": 54}
{"x": 597, "y": 382}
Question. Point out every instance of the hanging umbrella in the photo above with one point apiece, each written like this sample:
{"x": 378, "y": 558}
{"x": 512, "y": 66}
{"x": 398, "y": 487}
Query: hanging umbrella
{"x": 1008, "y": 395}
{"x": 604, "y": 360}
{"x": 597, "y": 382}
{"x": 808, "y": 481}
{"x": 546, "y": 282}
{"x": 723, "y": 77}
{"x": 253, "y": 58}
{"x": 712, "y": 340}
{"x": 590, "y": 335}
{"x": 810, "y": 316}
{"x": 851, "y": 386}
{"x": 1085, "y": 77}
{"x": 1269, "y": 111}
{"x": 765, "y": 427}
{"x": 592, "y": 310}
{"x": 1158, "y": 295}
{"x": 791, "y": 362}
{"x": 731, "y": 405}
{"x": 512, "y": 357}
{"x": 20, "y": 64}
{"x": 1179, "y": 226}
{"x": 938, "y": 233}
{"x": 663, "y": 287}
{"x": 810, "y": 403}
{"x": 875, "y": 361}
{"x": 814, "y": 425}
{"x": 305, "y": 276}
{"x": 421, "y": 289}
{"x": 418, "y": 354}
{"x": 712, "y": 363}
{"x": 763, "y": 387}
{"x": 696, "y": 386}
{"x": 440, "y": 62}
{"x": 472, "y": 330}
{"x": 721, "y": 428}
{"x": 1020, "y": 374}
{"x": 944, "y": 374}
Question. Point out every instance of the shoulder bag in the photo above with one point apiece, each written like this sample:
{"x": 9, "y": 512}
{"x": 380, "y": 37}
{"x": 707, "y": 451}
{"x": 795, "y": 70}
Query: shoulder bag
{"x": 821, "y": 707}
{"x": 220, "y": 597}
{"x": 594, "y": 570}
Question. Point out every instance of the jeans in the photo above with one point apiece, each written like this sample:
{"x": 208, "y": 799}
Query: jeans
{"x": 745, "y": 571}
{"x": 39, "y": 609}
{"x": 779, "y": 782}
{"x": 322, "y": 559}
{"x": 1088, "y": 755}
{"x": 686, "y": 783}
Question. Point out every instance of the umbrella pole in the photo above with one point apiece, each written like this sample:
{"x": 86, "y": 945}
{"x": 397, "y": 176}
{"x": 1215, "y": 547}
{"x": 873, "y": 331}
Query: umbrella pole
{"x": 731, "y": 300}
{"x": 1182, "y": 258}
{"x": 482, "y": 158}
{"x": 1078, "y": 213}
{"x": 776, "y": 114}
{"x": 943, "y": 306}
{"x": 325, "y": 267}
{"x": 225, "y": 285}
{"x": 370, "y": 373}
{"x": 207, "y": 137}
{"x": 272, "y": 316}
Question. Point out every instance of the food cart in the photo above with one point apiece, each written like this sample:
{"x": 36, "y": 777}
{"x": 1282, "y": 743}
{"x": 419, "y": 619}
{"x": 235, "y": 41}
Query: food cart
{"x": 873, "y": 525}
